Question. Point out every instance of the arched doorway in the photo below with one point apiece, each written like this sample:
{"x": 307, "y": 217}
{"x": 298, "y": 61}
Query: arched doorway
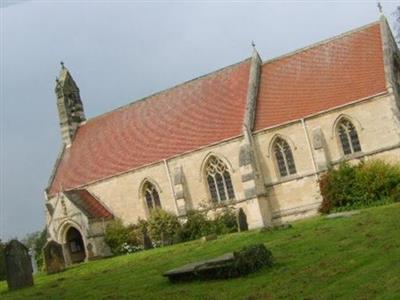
{"x": 75, "y": 245}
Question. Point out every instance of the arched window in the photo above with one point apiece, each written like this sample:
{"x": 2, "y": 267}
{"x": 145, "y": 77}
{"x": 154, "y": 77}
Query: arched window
{"x": 284, "y": 158}
{"x": 348, "y": 137}
{"x": 151, "y": 195}
{"x": 219, "y": 180}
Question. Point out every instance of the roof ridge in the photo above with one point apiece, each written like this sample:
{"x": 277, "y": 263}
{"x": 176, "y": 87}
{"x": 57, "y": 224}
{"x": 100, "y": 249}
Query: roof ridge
{"x": 319, "y": 43}
{"x": 164, "y": 91}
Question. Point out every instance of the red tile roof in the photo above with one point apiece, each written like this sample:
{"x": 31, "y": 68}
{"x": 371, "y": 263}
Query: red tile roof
{"x": 88, "y": 203}
{"x": 186, "y": 117}
{"x": 211, "y": 108}
{"x": 331, "y": 74}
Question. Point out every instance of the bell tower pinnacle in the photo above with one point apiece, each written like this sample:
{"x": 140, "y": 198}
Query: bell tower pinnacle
{"x": 69, "y": 104}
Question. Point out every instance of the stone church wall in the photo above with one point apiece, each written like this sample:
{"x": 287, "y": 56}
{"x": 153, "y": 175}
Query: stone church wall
{"x": 376, "y": 125}
{"x": 287, "y": 198}
{"x": 122, "y": 193}
{"x": 298, "y": 195}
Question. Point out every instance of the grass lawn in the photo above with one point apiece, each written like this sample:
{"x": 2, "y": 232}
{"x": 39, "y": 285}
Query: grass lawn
{"x": 347, "y": 258}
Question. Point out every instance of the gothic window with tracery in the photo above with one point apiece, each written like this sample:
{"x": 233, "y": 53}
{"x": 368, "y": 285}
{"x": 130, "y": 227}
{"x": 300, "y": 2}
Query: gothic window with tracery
{"x": 348, "y": 137}
{"x": 151, "y": 195}
{"x": 284, "y": 158}
{"x": 219, "y": 180}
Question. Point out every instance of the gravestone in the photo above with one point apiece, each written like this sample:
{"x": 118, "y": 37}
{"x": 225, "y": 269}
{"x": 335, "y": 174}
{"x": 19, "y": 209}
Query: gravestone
{"x": 345, "y": 214}
{"x": 18, "y": 265}
{"x": 53, "y": 257}
{"x": 90, "y": 252}
{"x": 209, "y": 237}
{"x": 241, "y": 220}
{"x": 234, "y": 264}
{"x": 147, "y": 243}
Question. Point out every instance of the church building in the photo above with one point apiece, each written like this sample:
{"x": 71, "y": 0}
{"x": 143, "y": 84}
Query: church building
{"x": 255, "y": 135}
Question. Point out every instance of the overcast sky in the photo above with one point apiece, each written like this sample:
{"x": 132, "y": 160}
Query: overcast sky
{"x": 119, "y": 51}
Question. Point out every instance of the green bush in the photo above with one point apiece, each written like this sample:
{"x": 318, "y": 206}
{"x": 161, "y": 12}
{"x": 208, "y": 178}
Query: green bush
{"x": 163, "y": 226}
{"x": 251, "y": 258}
{"x": 368, "y": 183}
{"x": 118, "y": 237}
{"x": 196, "y": 226}
{"x": 245, "y": 261}
{"x": 225, "y": 221}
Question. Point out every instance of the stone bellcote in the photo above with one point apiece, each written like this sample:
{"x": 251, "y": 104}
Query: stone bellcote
{"x": 69, "y": 104}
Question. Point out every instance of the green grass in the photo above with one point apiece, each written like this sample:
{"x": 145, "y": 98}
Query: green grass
{"x": 347, "y": 258}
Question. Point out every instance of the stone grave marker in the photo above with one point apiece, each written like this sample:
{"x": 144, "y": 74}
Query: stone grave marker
{"x": 234, "y": 264}
{"x": 147, "y": 243}
{"x": 53, "y": 257}
{"x": 209, "y": 237}
{"x": 18, "y": 265}
{"x": 241, "y": 220}
{"x": 90, "y": 252}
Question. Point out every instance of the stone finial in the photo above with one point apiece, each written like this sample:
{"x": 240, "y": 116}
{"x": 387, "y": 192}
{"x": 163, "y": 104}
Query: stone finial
{"x": 253, "y": 44}
{"x": 62, "y": 65}
{"x": 379, "y": 5}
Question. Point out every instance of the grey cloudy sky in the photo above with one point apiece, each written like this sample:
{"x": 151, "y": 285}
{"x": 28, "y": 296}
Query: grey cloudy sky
{"x": 119, "y": 51}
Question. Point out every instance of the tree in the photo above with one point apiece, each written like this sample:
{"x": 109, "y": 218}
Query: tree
{"x": 2, "y": 261}
{"x": 35, "y": 241}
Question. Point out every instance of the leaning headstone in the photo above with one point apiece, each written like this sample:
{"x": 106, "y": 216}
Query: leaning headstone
{"x": 241, "y": 220}
{"x": 18, "y": 265}
{"x": 53, "y": 257}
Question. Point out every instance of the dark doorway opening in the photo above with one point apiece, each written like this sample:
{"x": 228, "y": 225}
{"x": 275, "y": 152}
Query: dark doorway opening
{"x": 75, "y": 245}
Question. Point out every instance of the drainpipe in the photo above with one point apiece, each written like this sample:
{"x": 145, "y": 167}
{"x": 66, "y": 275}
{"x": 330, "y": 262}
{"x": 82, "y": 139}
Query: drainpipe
{"x": 309, "y": 146}
{"x": 171, "y": 185}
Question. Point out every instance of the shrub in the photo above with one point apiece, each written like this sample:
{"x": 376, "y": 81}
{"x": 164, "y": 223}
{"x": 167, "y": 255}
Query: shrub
{"x": 245, "y": 261}
{"x": 225, "y": 221}
{"x": 196, "y": 226}
{"x": 377, "y": 180}
{"x": 368, "y": 183}
{"x": 119, "y": 237}
{"x": 163, "y": 226}
{"x": 251, "y": 258}
{"x": 338, "y": 187}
